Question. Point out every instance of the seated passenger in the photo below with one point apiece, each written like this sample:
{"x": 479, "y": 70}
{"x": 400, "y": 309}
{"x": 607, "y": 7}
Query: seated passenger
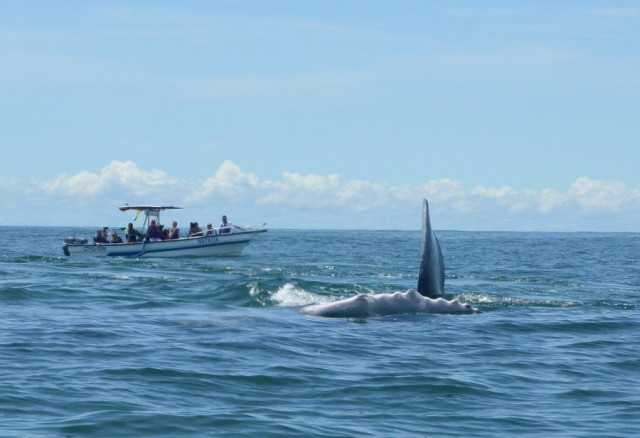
{"x": 210, "y": 231}
{"x": 174, "y": 231}
{"x": 131, "y": 234}
{"x": 99, "y": 238}
{"x": 115, "y": 238}
{"x": 106, "y": 234}
{"x": 153, "y": 232}
{"x": 194, "y": 230}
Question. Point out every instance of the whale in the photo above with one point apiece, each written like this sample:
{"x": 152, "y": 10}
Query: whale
{"x": 428, "y": 297}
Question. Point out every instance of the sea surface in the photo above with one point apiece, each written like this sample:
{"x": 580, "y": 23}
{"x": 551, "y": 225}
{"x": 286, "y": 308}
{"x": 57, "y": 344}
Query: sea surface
{"x": 96, "y": 347}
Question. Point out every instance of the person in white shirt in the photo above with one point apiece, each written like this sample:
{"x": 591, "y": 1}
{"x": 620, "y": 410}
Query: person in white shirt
{"x": 227, "y": 227}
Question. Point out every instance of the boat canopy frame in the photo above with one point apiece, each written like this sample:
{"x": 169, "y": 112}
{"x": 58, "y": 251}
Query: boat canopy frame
{"x": 151, "y": 212}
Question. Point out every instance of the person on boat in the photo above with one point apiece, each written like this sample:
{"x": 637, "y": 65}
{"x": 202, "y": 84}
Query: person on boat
{"x": 194, "y": 230}
{"x": 210, "y": 231}
{"x": 227, "y": 227}
{"x": 153, "y": 232}
{"x": 106, "y": 234}
{"x": 131, "y": 234}
{"x": 99, "y": 238}
{"x": 115, "y": 238}
{"x": 174, "y": 231}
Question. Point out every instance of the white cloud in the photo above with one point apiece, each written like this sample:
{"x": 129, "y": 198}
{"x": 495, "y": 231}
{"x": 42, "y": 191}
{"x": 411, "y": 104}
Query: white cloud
{"x": 125, "y": 178}
{"x": 326, "y": 201}
{"x": 302, "y": 191}
{"x": 598, "y": 195}
{"x": 228, "y": 181}
{"x": 547, "y": 199}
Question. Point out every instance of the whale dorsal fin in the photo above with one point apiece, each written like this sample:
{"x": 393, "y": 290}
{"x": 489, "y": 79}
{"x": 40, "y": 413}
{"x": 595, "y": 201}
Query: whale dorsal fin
{"x": 431, "y": 273}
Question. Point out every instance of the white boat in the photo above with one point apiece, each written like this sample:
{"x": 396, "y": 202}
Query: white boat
{"x": 219, "y": 242}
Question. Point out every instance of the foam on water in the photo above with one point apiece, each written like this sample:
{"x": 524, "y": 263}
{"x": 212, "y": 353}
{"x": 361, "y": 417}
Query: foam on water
{"x": 290, "y": 295}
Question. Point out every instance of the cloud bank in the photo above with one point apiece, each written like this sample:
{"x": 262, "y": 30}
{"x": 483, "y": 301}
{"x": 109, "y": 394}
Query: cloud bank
{"x": 319, "y": 201}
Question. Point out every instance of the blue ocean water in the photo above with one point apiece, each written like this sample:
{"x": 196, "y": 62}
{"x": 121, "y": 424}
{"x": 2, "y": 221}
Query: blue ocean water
{"x": 94, "y": 347}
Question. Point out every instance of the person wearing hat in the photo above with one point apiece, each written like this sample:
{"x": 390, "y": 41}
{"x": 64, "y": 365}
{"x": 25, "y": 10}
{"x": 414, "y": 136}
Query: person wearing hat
{"x": 153, "y": 233}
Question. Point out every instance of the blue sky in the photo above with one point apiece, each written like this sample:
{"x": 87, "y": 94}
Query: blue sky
{"x": 323, "y": 114}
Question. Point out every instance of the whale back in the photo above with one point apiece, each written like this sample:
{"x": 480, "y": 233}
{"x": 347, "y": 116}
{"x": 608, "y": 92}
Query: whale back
{"x": 427, "y": 299}
{"x": 431, "y": 273}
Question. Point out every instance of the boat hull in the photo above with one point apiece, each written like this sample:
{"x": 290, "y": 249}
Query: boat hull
{"x": 217, "y": 245}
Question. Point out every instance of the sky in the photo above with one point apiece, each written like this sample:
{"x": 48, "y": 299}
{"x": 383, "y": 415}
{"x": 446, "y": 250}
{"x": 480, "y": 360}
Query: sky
{"x": 513, "y": 116}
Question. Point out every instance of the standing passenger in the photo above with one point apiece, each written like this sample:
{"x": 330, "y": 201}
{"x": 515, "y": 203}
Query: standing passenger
{"x": 227, "y": 227}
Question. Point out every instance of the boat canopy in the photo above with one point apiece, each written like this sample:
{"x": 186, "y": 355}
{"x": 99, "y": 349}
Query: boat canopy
{"x": 148, "y": 207}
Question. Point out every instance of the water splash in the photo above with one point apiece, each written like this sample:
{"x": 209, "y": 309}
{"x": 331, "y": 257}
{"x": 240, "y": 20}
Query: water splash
{"x": 290, "y": 295}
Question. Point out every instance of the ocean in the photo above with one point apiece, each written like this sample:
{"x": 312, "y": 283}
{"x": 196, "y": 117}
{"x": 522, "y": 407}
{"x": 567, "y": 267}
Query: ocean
{"x": 95, "y": 347}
